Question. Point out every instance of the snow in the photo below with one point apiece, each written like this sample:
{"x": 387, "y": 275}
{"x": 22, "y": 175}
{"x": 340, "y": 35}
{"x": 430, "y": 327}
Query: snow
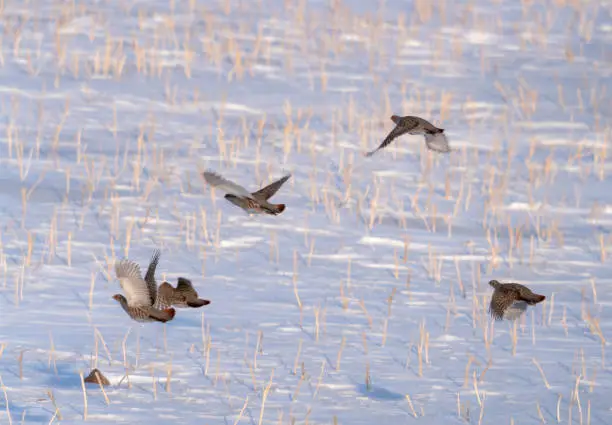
{"x": 366, "y": 300}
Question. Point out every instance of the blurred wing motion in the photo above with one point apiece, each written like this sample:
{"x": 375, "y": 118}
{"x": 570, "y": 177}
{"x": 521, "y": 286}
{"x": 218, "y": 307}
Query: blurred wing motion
{"x": 269, "y": 191}
{"x": 225, "y": 185}
{"x": 395, "y": 133}
{"x": 437, "y": 142}
{"x": 515, "y": 310}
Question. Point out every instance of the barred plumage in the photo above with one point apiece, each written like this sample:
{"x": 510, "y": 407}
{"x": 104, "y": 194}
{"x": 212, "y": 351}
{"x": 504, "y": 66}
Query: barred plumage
{"x": 140, "y": 294}
{"x": 509, "y": 300}
{"x": 183, "y": 296}
{"x": 435, "y": 139}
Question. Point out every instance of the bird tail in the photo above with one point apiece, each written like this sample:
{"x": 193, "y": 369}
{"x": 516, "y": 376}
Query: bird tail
{"x": 162, "y": 315}
{"x": 198, "y": 303}
{"x": 170, "y": 312}
{"x": 533, "y": 298}
{"x": 276, "y": 209}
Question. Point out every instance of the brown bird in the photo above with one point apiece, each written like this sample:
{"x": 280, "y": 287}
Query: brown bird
{"x": 510, "y": 300}
{"x": 434, "y": 137}
{"x": 141, "y": 294}
{"x": 252, "y": 203}
{"x": 96, "y": 377}
{"x": 183, "y": 296}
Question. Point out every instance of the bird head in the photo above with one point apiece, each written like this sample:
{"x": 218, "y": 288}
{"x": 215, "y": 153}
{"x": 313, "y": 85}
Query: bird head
{"x": 119, "y": 298}
{"x": 395, "y": 118}
{"x": 494, "y": 283}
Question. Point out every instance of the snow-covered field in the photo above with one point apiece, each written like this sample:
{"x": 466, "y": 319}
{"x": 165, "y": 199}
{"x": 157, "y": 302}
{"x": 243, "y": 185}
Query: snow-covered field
{"x": 365, "y": 302}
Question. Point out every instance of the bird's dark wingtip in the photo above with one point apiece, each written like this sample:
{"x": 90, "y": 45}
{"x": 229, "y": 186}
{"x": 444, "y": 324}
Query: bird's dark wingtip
{"x": 198, "y": 303}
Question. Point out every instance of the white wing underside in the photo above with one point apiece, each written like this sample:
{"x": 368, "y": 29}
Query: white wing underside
{"x": 225, "y": 185}
{"x": 516, "y": 310}
{"x": 437, "y": 142}
{"x": 132, "y": 283}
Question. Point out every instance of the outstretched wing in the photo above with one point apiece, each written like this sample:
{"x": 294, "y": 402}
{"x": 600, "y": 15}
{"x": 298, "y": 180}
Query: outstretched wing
{"x": 225, "y": 185}
{"x": 269, "y": 191}
{"x": 188, "y": 294}
{"x": 501, "y": 300}
{"x": 131, "y": 281}
{"x": 396, "y": 132}
{"x": 165, "y": 295}
{"x": 185, "y": 288}
{"x": 150, "y": 276}
{"x": 437, "y": 142}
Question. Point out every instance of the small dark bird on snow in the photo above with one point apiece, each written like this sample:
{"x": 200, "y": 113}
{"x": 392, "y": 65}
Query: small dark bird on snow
{"x": 252, "y": 203}
{"x": 140, "y": 294}
{"x": 96, "y": 377}
{"x": 183, "y": 296}
{"x": 510, "y": 300}
{"x": 434, "y": 137}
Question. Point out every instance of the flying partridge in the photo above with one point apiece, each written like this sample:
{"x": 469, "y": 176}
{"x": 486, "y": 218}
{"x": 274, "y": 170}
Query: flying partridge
{"x": 183, "y": 296}
{"x": 434, "y": 137}
{"x": 252, "y": 203}
{"x": 140, "y": 294}
{"x": 510, "y": 300}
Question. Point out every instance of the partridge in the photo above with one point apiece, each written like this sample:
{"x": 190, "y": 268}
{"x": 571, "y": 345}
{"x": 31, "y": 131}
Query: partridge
{"x": 183, "y": 296}
{"x": 435, "y": 139}
{"x": 252, "y": 203}
{"x": 509, "y": 300}
{"x": 140, "y": 294}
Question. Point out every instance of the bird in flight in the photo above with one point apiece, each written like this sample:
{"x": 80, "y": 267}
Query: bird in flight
{"x": 434, "y": 137}
{"x": 140, "y": 294}
{"x": 253, "y": 203}
{"x": 510, "y": 300}
{"x": 183, "y": 296}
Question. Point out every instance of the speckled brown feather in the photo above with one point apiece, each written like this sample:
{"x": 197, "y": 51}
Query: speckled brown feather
{"x": 506, "y": 294}
{"x": 183, "y": 296}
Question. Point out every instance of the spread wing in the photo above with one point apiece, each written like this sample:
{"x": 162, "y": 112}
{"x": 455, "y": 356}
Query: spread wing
{"x": 165, "y": 295}
{"x": 437, "y": 142}
{"x": 150, "y": 276}
{"x": 132, "y": 283}
{"x": 225, "y": 185}
{"x": 184, "y": 287}
{"x": 269, "y": 191}
{"x": 396, "y": 132}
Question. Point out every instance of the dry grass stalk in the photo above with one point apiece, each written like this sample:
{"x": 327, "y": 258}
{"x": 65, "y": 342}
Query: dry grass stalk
{"x": 84, "y": 396}
{"x": 365, "y": 312}
{"x": 168, "y": 376}
{"x": 91, "y": 289}
{"x": 466, "y": 377}
{"x": 246, "y": 403}
{"x": 51, "y": 355}
{"x": 339, "y": 356}
{"x": 207, "y": 351}
{"x": 258, "y": 348}
{"x": 57, "y": 413}
{"x": 6, "y": 402}
{"x": 411, "y": 406}
{"x": 537, "y": 364}
{"x": 20, "y": 361}
{"x": 320, "y": 380}
{"x": 297, "y": 357}
{"x": 264, "y": 397}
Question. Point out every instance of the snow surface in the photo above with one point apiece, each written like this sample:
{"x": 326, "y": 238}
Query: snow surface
{"x": 365, "y": 301}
